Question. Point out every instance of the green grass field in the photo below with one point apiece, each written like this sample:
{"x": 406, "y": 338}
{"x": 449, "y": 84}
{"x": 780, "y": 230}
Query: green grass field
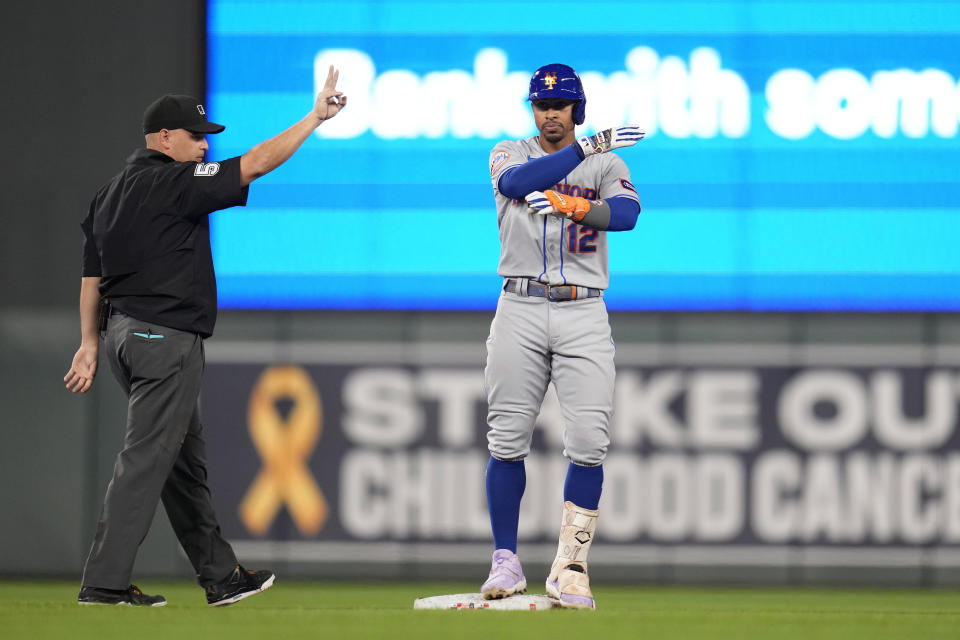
{"x": 378, "y": 610}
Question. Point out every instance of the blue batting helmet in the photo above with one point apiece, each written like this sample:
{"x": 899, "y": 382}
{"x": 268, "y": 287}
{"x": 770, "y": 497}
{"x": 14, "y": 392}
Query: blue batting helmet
{"x": 558, "y": 81}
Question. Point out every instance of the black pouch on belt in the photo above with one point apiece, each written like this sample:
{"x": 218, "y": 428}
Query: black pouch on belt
{"x": 103, "y": 315}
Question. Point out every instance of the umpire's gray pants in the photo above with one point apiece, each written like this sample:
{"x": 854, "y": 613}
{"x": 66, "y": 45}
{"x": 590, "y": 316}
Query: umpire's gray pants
{"x": 163, "y": 456}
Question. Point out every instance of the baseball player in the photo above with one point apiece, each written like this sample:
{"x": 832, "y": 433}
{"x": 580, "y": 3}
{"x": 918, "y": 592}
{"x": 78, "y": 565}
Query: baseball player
{"x": 557, "y": 197}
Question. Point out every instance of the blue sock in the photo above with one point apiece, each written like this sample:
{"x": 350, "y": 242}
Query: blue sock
{"x": 505, "y": 484}
{"x": 583, "y": 486}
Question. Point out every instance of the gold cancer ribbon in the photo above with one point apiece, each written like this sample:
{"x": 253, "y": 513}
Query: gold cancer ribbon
{"x": 284, "y": 446}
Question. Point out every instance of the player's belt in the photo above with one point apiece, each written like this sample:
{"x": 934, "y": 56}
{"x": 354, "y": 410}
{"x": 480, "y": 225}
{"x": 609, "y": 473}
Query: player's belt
{"x": 554, "y": 292}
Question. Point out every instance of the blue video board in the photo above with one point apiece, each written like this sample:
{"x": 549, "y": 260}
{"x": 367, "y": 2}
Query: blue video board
{"x": 799, "y": 155}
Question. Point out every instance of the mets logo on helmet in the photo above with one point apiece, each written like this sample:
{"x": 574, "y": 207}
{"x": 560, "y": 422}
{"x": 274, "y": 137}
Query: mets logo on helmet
{"x": 550, "y": 79}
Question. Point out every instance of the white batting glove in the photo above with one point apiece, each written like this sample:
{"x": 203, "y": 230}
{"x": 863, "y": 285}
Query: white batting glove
{"x": 538, "y": 203}
{"x": 610, "y": 139}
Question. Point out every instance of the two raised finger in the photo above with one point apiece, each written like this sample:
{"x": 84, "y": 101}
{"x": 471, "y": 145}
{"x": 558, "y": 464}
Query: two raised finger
{"x": 332, "y": 76}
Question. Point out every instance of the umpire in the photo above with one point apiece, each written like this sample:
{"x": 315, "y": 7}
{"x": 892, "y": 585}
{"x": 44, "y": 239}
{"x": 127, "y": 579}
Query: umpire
{"x": 148, "y": 292}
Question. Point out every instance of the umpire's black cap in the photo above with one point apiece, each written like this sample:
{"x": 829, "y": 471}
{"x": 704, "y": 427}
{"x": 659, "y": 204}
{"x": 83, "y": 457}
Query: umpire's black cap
{"x": 178, "y": 112}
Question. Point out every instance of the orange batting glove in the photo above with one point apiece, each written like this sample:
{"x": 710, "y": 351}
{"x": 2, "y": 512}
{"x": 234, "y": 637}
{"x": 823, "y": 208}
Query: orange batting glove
{"x": 573, "y": 207}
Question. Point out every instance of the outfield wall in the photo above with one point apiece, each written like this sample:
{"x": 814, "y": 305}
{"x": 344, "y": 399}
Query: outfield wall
{"x": 746, "y": 448}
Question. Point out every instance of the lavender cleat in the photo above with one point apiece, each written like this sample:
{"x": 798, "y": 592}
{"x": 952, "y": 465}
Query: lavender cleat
{"x": 571, "y": 587}
{"x": 506, "y": 576}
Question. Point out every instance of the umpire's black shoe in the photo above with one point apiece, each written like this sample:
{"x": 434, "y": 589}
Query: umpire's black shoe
{"x": 239, "y": 585}
{"x": 131, "y": 596}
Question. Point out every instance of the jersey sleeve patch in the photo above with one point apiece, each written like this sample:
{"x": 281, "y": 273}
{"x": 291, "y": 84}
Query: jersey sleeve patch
{"x": 626, "y": 184}
{"x": 497, "y": 161}
{"x": 206, "y": 169}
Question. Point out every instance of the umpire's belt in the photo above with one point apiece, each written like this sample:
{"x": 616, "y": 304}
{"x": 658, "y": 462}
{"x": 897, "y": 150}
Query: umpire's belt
{"x": 554, "y": 292}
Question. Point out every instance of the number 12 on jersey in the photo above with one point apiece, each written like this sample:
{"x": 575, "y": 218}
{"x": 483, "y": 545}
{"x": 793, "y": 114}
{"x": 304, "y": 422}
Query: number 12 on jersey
{"x": 581, "y": 239}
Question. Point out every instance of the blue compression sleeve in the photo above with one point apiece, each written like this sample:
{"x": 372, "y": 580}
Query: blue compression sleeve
{"x": 623, "y": 215}
{"x": 505, "y": 484}
{"x": 583, "y": 486}
{"x": 539, "y": 173}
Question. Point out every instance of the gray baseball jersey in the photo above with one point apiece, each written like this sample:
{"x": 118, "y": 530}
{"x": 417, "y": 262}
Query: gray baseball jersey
{"x": 550, "y": 248}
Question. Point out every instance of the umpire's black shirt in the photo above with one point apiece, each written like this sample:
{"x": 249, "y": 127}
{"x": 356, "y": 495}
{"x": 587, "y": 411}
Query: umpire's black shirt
{"x": 147, "y": 236}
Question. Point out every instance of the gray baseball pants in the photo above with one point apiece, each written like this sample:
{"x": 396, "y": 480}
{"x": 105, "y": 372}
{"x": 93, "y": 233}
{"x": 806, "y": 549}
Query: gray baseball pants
{"x": 534, "y": 341}
{"x": 163, "y": 456}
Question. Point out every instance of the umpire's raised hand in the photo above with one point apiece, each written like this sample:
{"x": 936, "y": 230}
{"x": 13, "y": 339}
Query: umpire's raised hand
{"x": 329, "y": 100}
{"x": 270, "y": 154}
